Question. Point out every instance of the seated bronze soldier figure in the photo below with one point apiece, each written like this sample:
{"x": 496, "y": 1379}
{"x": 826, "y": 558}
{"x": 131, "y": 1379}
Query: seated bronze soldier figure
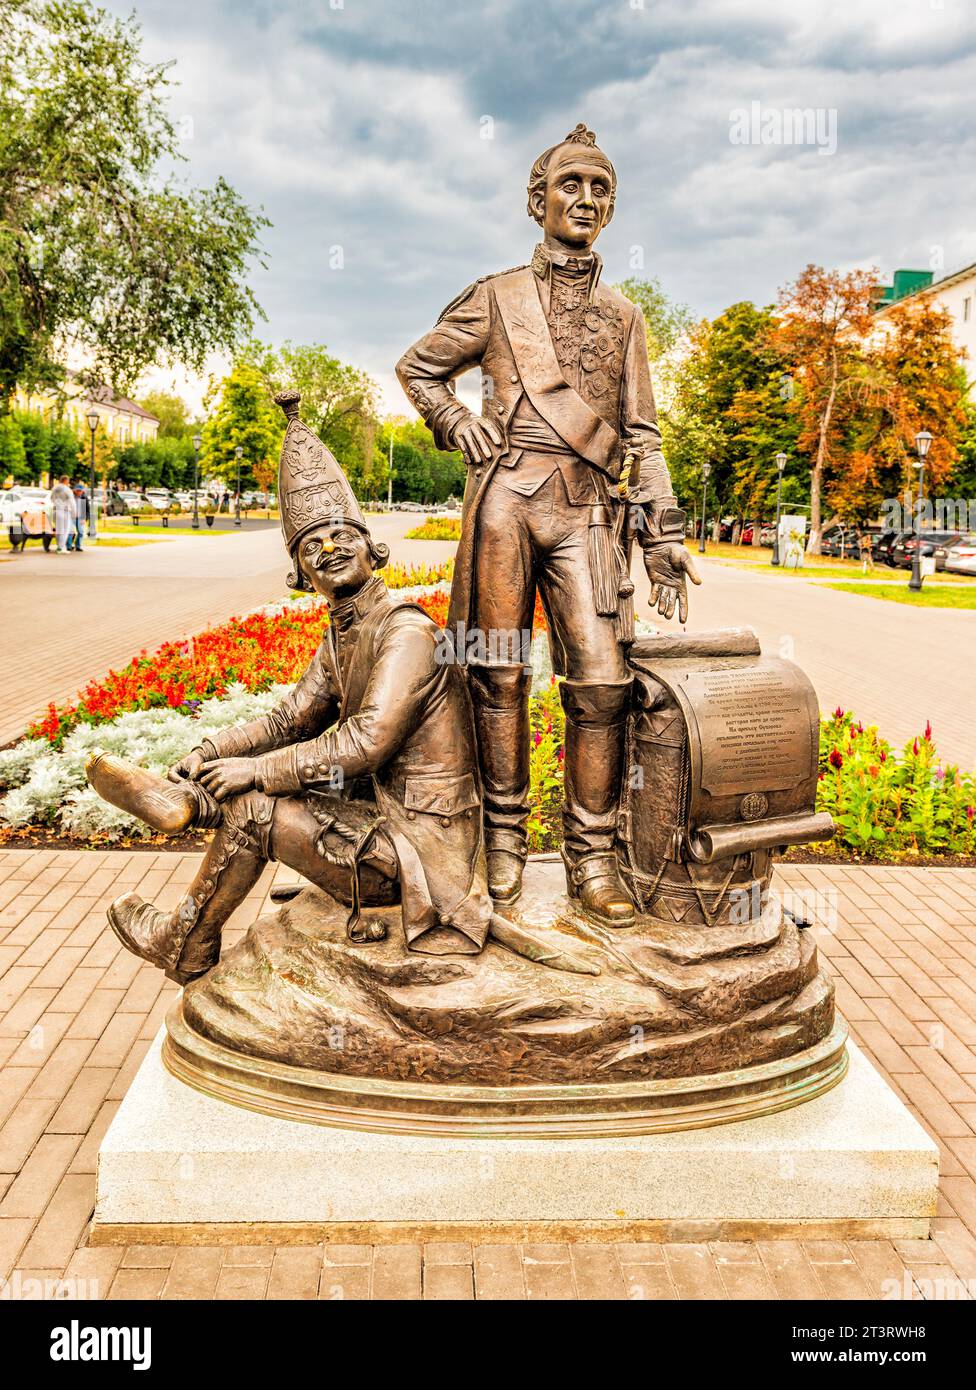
{"x": 364, "y": 779}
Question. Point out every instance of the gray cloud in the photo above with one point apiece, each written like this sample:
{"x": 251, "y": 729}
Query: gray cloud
{"x": 361, "y": 127}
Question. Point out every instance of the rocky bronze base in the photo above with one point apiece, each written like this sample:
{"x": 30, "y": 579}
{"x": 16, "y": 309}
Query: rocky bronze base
{"x": 680, "y": 1026}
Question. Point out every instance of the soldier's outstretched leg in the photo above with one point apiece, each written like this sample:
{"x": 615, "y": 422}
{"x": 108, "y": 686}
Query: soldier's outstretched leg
{"x": 500, "y": 698}
{"x": 596, "y": 723}
{"x": 185, "y": 942}
{"x": 253, "y": 828}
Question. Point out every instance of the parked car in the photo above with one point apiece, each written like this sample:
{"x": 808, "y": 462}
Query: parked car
{"x": 17, "y": 500}
{"x": 767, "y": 534}
{"x": 886, "y": 546}
{"x": 880, "y": 542}
{"x": 841, "y": 543}
{"x": 961, "y": 557}
{"x": 159, "y": 499}
{"x": 933, "y": 543}
{"x": 27, "y": 514}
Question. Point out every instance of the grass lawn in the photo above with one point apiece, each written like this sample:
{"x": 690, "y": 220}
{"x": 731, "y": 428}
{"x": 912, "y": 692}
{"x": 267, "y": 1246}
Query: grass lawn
{"x": 947, "y": 596}
{"x": 114, "y": 542}
{"x": 813, "y": 567}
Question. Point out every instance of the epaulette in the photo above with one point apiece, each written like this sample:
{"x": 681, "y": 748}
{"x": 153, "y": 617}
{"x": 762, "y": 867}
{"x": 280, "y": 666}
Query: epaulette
{"x": 472, "y": 287}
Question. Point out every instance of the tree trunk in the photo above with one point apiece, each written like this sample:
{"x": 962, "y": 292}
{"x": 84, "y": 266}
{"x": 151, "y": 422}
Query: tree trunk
{"x": 816, "y": 477}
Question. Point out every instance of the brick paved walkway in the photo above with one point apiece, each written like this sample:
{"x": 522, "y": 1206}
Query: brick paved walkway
{"x": 77, "y": 1014}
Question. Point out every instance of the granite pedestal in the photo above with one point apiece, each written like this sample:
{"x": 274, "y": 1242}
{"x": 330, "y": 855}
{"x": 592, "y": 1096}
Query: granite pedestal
{"x": 179, "y": 1166}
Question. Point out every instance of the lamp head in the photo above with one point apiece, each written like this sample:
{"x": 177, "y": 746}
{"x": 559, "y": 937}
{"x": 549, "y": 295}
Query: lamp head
{"x": 923, "y": 441}
{"x": 197, "y": 441}
{"x": 781, "y": 462}
{"x": 92, "y": 417}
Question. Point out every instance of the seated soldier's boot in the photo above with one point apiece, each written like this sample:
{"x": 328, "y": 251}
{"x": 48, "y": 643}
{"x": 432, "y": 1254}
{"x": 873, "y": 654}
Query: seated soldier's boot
{"x": 171, "y": 808}
{"x": 185, "y": 943}
{"x": 594, "y": 882}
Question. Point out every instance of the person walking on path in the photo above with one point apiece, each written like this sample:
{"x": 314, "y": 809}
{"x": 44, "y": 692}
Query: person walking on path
{"x": 76, "y": 538}
{"x": 65, "y": 510}
{"x": 866, "y": 552}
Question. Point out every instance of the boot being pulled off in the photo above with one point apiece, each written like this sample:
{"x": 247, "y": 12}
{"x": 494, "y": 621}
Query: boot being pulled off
{"x": 170, "y": 808}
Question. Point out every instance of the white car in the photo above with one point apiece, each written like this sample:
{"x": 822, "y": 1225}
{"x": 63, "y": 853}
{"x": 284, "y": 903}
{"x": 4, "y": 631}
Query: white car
{"x": 17, "y": 500}
{"x": 159, "y": 499}
{"x": 961, "y": 557}
{"x": 184, "y": 499}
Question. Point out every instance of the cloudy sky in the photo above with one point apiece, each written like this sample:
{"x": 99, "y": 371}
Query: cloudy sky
{"x": 389, "y": 142}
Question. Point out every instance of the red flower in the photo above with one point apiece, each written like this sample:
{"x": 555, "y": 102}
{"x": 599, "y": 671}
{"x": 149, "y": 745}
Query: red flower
{"x": 874, "y": 770}
{"x": 970, "y": 812}
{"x": 836, "y": 760}
{"x": 838, "y": 713}
{"x": 915, "y": 747}
{"x": 928, "y": 731}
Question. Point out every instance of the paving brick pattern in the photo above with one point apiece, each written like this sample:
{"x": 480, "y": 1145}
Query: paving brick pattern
{"x": 77, "y": 1015}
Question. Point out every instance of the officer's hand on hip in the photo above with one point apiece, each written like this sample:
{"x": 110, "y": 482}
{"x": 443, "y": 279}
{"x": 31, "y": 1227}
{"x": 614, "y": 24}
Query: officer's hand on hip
{"x": 669, "y": 566}
{"x": 477, "y": 440}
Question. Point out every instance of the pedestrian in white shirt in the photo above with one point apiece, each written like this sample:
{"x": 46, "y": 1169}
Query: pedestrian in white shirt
{"x": 65, "y": 511}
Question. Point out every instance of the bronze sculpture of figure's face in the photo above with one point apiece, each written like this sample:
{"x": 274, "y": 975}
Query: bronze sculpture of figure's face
{"x": 336, "y": 560}
{"x": 576, "y": 201}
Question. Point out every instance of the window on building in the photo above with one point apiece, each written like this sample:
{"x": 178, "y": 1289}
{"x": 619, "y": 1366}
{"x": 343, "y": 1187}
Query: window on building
{"x": 967, "y": 305}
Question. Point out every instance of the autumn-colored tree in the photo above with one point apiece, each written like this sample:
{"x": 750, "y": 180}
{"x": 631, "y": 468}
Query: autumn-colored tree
{"x": 911, "y": 379}
{"x": 265, "y": 474}
{"x": 823, "y": 318}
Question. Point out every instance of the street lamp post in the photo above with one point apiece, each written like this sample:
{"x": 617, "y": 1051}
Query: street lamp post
{"x": 197, "y": 441}
{"x": 389, "y": 476}
{"x": 922, "y": 441}
{"x": 92, "y": 418}
{"x": 706, "y": 469}
{"x": 780, "y": 466}
{"x": 238, "y": 453}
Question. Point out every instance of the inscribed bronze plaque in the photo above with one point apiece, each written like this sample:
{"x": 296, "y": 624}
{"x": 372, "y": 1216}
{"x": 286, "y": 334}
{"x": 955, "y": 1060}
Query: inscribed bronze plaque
{"x": 753, "y": 724}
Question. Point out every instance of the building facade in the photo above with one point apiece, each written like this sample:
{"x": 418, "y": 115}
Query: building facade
{"x": 955, "y": 292}
{"x": 123, "y": 420}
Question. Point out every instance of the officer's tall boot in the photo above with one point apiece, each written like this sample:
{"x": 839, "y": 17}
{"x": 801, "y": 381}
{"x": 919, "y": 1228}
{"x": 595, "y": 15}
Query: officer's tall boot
{"x": 500, "y": 697}
{"x": 596, "y": 725}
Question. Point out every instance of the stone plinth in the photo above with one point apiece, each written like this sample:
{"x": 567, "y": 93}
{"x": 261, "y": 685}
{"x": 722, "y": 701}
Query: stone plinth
{"x": 177, "y": 1165}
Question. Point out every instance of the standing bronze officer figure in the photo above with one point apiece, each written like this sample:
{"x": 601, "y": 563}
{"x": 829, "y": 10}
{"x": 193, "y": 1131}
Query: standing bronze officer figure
{"x": 567, "y": 399}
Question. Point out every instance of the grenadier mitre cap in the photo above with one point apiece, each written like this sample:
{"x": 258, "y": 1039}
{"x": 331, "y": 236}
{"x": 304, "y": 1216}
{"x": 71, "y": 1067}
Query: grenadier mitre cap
{"x": 312, "y": 488}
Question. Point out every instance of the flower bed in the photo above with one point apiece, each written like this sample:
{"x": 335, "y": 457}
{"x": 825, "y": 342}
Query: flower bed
{"x": 437, "y": 528}
{"x": 887, "y": 806}
{"x": 270, "y": 647}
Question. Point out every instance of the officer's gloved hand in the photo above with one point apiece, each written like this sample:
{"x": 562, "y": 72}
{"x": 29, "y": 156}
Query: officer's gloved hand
{"x": 669, "y": 566}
